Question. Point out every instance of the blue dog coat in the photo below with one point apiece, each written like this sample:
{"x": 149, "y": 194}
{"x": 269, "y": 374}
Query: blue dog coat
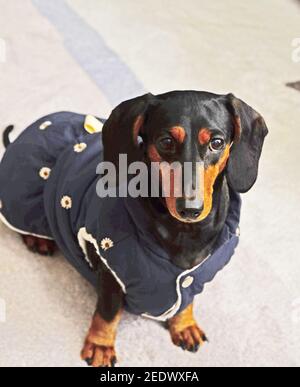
{"x": 48, "y": 189}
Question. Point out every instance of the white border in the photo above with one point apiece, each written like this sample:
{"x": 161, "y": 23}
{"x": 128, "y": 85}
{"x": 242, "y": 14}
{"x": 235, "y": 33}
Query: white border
{"x": 7, "y": 224}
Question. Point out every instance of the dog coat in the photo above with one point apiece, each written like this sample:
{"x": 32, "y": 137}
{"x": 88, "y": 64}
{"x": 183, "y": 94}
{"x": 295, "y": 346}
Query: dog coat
{"x": 48, "y": 189}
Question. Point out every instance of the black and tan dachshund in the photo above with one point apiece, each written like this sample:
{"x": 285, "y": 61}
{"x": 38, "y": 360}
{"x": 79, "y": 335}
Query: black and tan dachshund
{"x": 222, "y": 133}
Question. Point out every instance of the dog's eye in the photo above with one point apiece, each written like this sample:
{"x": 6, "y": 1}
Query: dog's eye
{"x": 167, "y": 144}
{"x": 217, "y": 144}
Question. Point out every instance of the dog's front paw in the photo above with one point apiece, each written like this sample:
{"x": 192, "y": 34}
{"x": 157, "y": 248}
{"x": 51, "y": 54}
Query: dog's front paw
{"x": 99, "y": 345}
{"x": 185, "y": 332}
{"x": 190, "y": 338}
{"x": 98, "y": 356}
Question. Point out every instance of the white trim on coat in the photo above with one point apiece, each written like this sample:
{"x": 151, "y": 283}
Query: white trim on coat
{"x": 7, "y": 224}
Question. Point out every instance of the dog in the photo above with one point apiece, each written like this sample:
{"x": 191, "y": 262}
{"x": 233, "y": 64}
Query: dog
{"x": 149, "y": 255}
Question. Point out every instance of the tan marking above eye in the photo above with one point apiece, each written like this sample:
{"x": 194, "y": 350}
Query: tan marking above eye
{"x": 178, "y": 133}
{"x": 204, "y": 136}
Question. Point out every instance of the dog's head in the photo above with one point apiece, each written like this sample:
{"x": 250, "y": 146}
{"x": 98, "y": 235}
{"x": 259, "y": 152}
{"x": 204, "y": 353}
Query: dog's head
{"x": 214, "y": 133}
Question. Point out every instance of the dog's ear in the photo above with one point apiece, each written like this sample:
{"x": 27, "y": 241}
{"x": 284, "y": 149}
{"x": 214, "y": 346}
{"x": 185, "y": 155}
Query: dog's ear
{"x": 250, "y": 132}
{"x": 123, "y": 131}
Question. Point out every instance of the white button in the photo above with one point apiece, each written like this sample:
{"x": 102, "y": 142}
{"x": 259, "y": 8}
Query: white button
{"x": 187, "y": 282}
{"x": 238, "y": 232}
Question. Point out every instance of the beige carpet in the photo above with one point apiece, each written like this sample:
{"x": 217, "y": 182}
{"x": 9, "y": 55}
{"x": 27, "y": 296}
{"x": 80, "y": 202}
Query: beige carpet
{"x": 251, "y": 312}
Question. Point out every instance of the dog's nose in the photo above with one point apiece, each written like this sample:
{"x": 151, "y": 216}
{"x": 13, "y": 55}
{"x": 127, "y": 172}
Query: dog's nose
{"x": 187, "y": 212}
{"x": 190, "y": 213}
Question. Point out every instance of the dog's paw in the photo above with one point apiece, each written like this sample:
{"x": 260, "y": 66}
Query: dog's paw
{"x": 189, "y": 339}
{"x": 98, "y": 356}
{"x": 39, "y": 245}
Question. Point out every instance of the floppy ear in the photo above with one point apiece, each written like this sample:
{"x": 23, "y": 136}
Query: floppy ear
{"x": 250, "y": 132}
{"x": 122, "y": 131}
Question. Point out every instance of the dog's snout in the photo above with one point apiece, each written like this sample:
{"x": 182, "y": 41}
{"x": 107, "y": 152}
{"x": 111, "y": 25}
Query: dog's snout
{"x": 189, "y": 212}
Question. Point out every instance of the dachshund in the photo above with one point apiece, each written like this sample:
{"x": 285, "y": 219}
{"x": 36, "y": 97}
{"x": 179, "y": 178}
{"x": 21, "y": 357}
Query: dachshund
{"x": 149, "y": 255}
